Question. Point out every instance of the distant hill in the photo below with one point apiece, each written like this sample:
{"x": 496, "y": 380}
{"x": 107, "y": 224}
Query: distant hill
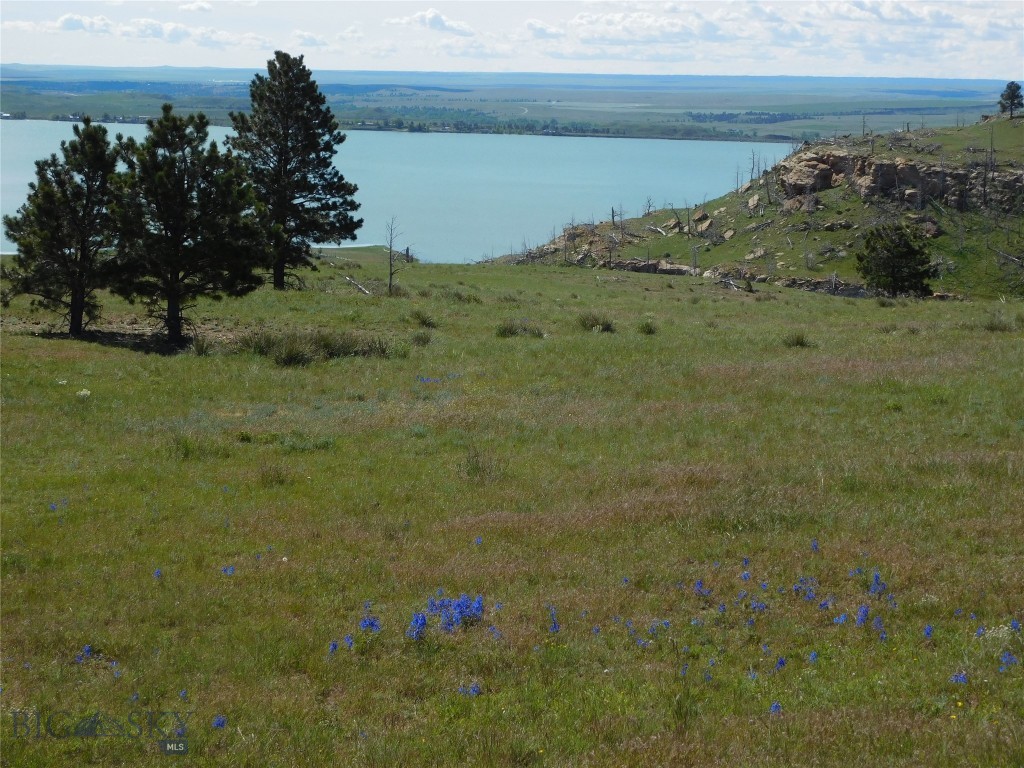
{"x": 667, "y": 106}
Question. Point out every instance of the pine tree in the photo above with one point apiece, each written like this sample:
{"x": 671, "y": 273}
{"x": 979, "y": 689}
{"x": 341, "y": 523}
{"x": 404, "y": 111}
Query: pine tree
{"x": 63, "y": 231}
{"x": 1011, "y": 98}
{"x": 288, "y": 142}
{"x": 893, "y": 260}
{"x": 187, "y": 219}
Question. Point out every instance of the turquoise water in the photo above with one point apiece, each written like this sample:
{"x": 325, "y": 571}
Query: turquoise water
{"x": 463, "y": 197}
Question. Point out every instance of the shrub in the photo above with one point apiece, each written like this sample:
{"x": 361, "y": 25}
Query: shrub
{"x": 647, "y": 327}
{"x": 894, "y": 260}
{"x": 421, "y": 338}
{"x": 592, "y": 321}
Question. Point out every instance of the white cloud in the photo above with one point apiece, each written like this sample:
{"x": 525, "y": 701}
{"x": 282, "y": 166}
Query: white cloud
{"x": 435, "y": 20}
{"x": 73, "y": 22}
{"x": 542, "y": 31}
{"x": 199, "y": 7}
{"x": 308, "y": 39}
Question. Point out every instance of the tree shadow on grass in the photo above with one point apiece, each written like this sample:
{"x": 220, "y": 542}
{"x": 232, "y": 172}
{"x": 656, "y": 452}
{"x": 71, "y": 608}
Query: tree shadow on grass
{"x": 136, "y": 341}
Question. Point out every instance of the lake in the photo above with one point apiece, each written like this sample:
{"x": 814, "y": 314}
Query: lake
{"x": 458, "y": 198}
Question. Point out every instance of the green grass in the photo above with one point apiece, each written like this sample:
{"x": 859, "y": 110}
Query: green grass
{"x": 604, "y": 474}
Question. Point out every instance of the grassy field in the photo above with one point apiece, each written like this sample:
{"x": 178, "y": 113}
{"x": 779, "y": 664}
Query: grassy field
{"x": 732, "y": 529}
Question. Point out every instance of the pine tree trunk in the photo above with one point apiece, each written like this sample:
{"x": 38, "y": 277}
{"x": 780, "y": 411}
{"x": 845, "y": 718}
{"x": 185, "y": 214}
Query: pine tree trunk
{"x": 173, "y": 320}
{"x": 279, "y": 265}
{"x": 76, "y": 314}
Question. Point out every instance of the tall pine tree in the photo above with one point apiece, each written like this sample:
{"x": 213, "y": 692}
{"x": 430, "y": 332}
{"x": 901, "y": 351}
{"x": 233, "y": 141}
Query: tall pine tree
{"x": 63, "y": 231}
{"x": 187, "y": 220}
{"x": 288, "y": 143}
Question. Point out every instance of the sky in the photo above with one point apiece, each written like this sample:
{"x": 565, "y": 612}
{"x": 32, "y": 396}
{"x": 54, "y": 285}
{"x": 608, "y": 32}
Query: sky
{"x": 910, "y": 38}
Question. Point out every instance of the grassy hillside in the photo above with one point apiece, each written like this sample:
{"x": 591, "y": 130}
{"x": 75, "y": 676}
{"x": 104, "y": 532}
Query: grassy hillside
{"x": 818, "y": 241}
{"x": 734, "y": 529}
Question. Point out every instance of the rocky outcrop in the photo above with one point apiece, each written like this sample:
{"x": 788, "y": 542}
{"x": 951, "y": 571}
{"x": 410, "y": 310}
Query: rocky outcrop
{"x": 910, "y": 181}
{"x": 661, "y": 267}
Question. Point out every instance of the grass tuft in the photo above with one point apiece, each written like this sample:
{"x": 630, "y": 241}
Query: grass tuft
{"x": 519, "y": 327}
{"x": 796, "y": 339}
{"x": 647, "y": 327}
{"x": 593, "y": 321}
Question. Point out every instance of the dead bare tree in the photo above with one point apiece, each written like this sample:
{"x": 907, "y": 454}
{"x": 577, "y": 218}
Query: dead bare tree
{"x": 397, "y": 261}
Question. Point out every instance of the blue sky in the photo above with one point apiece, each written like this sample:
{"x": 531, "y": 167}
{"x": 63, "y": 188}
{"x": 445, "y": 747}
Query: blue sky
{"x": 911, "y": 38}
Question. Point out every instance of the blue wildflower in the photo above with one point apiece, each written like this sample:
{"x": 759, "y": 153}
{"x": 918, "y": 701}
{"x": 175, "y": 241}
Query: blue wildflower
{"x": 332, "y": 647}
{"x": 555, "y": 626}
{"x": 157, "y": 573}
{"x": 478, "y": 540}
{"x": 764, "y": 586}
{"x": 862, "y": 615}
{"x": 349, "y": 641}
{"x": 495, "y": 632}
{"x": 700, "y": 590}
{"x": 1015, "y": 625}
{"x": 814, "y": 545}
{"x": 746, "y": 561}
{"x": 220, "y": 721}
{"x": 813, "y": 657}
{"x": 1008, "y": 660}
{"x": 877, "y": 623}
{"x": 928, "y": 630}
{"x": 980, "y": 631}
{"x": 417, "y": 626}
{"x": 370, "y": 623}
{"x": 752, "y": 675}
{"x": 183, "y": 694}
{"x": 684, "y": 670}
{"x": 775, "y": 708}
{"x": 228, "y": 570}
{"x": 745, "y": 576}
{"x": 596, "y": 630}
{"x": 840, "y": 619}
{"x": 780, "y": 663}
{"x": 707, "y": 676}
{"x": 721, "y": 607}
{"x": 959, "y": 677}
